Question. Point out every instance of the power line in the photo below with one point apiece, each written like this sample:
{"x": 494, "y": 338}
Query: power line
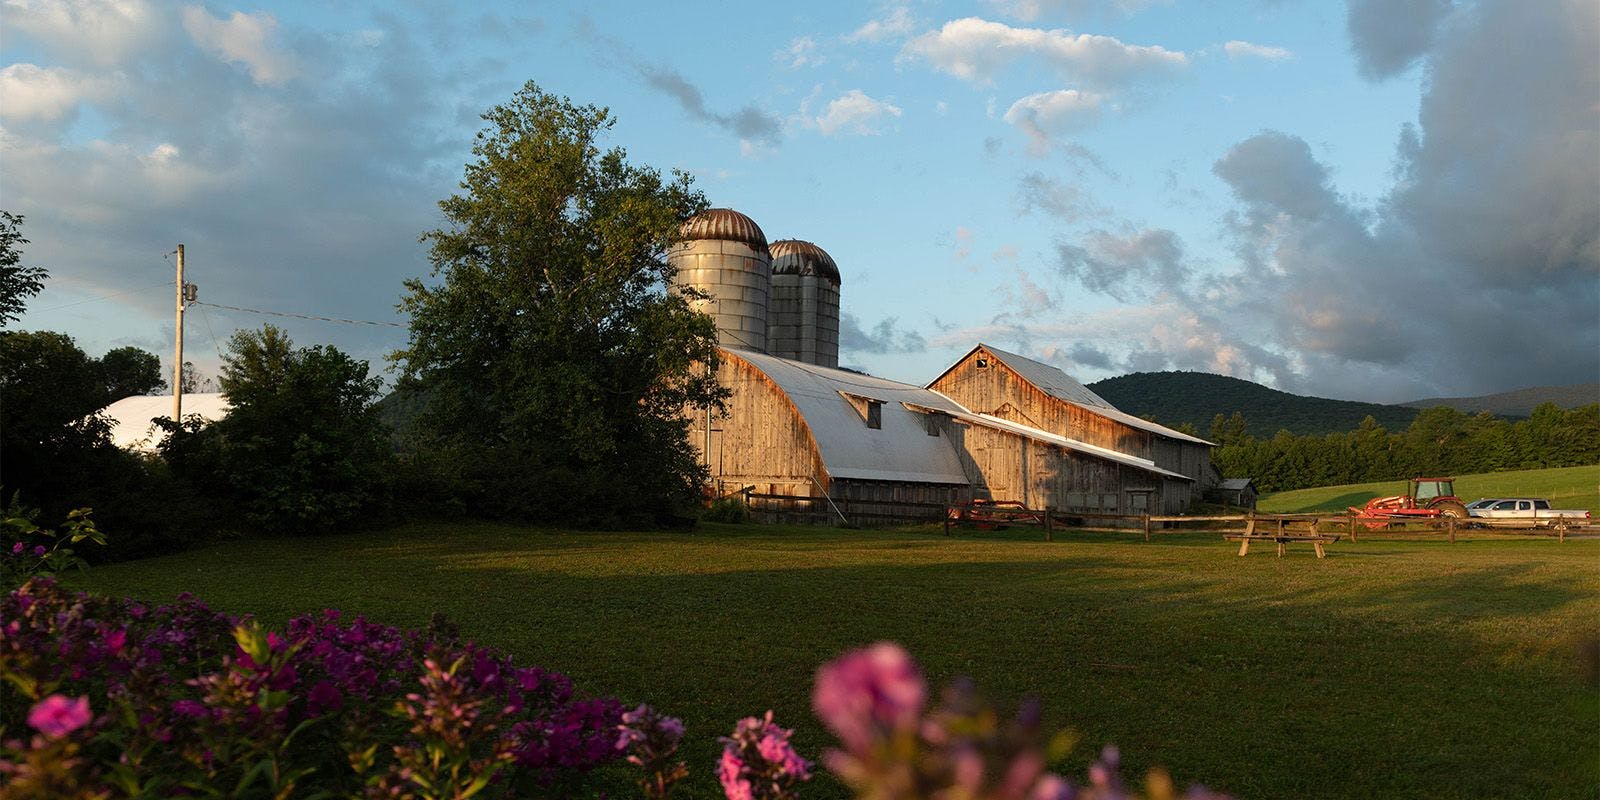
{"x": 300, "y": 316}
{"x": 104, "y": 297}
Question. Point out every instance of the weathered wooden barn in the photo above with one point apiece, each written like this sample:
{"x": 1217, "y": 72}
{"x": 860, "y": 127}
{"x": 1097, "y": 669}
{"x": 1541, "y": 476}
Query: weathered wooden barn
{"x": 799, "y": 429}
{"x": 994, "y": 382}
{"x": 995, "y": 425}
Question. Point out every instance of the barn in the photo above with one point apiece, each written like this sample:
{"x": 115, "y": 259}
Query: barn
{"x": 1040, "y": 396}
{"x": 994, "y": 426}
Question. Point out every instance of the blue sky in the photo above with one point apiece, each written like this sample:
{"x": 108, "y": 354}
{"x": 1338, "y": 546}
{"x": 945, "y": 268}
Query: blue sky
{"x": 1373, "y": 200}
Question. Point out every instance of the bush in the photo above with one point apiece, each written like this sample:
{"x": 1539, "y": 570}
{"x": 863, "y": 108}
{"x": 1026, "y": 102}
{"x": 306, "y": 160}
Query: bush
{"x": 727, "y": 509}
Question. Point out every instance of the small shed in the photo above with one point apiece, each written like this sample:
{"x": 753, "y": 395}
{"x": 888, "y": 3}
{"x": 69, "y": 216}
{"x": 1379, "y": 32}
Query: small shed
{"x": 1235, "y": 492}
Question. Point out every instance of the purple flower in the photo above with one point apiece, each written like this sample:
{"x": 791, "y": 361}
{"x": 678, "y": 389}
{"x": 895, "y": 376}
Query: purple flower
{"x": 17, "y": 548}
{"x": 870, "y": 692}
{"x": 39, "y": 550}
{"x": 324, "y": 697}
{"x": 56, "y": 716}
{"x": 189, "y": 708}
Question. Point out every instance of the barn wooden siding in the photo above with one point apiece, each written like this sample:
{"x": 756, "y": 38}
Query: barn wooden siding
{"x": 1000, "y": 391}
{"x": 1002, "y": 465}
{"x": 762, "y": 441}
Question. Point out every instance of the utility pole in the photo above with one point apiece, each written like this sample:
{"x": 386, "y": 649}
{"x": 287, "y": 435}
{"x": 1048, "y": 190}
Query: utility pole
{"x": 177, "y": 357}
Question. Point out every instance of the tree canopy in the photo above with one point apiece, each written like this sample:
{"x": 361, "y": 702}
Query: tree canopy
{"x": 301, "y": 450}
{"x": 557, "y": 367}
{"x": 17, "y": 282}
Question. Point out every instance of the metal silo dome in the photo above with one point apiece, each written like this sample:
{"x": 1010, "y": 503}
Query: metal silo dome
{"x": 724, "y": 254}
{"x": 803, "y": 316}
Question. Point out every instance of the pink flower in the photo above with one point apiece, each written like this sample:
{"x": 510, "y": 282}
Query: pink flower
{"x": 867, "y": 693}
{"x": 730, "y": 770}
{"x": 17, "y": 548}
{"x": 56, "y": 716}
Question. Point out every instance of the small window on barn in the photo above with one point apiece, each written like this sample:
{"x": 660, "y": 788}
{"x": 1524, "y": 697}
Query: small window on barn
{"x": 870, "y": 408}
{"x": 981, "y": 363}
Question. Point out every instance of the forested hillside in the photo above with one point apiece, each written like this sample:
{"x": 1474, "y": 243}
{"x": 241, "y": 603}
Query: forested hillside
{"x": 1174, "y": 398}
{"x": 1519, "y": 403}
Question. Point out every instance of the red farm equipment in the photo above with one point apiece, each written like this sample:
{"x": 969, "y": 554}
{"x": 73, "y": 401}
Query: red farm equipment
{"x": 1425, "y": 499}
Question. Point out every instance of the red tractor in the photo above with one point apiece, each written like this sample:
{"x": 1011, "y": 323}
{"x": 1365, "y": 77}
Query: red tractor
{"x": 1425, "y": 498}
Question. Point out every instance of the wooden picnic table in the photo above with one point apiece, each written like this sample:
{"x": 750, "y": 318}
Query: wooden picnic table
{"x": 1282, "y": 536}
{"x": 1317, "y": 540}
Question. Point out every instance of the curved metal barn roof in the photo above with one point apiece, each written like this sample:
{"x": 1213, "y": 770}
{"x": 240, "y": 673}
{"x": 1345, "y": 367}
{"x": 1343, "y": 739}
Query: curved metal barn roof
{"x": 901, "y": 450}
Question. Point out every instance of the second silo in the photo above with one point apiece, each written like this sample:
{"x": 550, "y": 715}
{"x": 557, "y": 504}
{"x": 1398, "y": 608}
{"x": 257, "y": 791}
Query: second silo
{"x": 803, "y": 315}
{"x": 724, "y": 254}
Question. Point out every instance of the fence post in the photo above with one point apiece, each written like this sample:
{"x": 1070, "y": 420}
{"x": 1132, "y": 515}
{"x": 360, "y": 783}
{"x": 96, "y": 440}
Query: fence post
{"x": 1049, "y": 523}
{"x": 1450, "y": 525}
{"x": 947, "y": 509}
{"x": 1352, "y": 516}
{"x": 1147, "y": 527}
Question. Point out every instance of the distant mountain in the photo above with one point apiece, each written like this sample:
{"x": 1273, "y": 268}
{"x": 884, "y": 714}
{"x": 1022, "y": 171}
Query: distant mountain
{"x": 1519, "y": 403}
{"x": 1173, "y": 398}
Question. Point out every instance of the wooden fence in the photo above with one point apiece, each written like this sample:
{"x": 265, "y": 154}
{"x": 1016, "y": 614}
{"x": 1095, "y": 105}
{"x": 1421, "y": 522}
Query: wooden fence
{"x": 801, "y": 509}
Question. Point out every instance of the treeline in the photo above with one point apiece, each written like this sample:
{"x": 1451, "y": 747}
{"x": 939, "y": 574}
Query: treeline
{"x": 1441, "y": 441}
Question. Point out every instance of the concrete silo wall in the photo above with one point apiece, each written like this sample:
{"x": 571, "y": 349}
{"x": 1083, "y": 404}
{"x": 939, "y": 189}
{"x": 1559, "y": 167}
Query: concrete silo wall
{"x": 738, "y": 278}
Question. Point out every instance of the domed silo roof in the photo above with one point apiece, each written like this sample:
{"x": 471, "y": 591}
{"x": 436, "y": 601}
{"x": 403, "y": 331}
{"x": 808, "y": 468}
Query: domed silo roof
{"x": 725, "y": 224}
{"x": 793, "y": 256}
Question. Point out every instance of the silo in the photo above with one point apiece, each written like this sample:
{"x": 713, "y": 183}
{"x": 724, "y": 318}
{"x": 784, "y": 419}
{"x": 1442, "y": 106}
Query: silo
{"x": 803, "y": 317}
{"x": 724, "y": 254}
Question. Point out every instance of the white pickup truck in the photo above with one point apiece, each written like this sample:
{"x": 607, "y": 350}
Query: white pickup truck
{"x": 1523, "y": 512}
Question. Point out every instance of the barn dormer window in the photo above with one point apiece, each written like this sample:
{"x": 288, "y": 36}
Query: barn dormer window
{"x": 870, "y": 408}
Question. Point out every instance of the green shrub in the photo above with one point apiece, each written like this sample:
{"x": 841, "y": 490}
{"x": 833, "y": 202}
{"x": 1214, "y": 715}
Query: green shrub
{"x": 727, "y": 509}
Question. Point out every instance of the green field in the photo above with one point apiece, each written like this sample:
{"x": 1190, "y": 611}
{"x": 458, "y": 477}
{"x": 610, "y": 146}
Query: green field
{"x": 1566, "y": 487}
{"x": 1395, "y": 668}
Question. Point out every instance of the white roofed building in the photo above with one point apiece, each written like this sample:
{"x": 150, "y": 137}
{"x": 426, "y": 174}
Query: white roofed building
{"x": 131, "y": 418}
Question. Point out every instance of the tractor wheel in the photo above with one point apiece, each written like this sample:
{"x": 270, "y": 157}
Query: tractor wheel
{"x": 1451, "y": 508}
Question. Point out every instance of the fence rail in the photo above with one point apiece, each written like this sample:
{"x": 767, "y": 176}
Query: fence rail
{"x": 811, "y": 509}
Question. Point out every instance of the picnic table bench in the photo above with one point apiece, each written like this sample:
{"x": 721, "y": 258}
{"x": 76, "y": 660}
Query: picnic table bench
{"x": 1317, "y": 540}
{"x": 1282, "y": 536}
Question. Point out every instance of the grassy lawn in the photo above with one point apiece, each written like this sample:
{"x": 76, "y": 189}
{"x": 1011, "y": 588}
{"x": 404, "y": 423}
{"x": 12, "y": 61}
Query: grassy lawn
{"x": 1395, "y": 668}
{"x": 1566, "y": 487}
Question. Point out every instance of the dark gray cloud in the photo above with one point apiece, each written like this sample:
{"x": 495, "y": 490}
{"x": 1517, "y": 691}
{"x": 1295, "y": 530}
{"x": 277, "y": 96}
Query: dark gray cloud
{"x": 1055, "y": 197}
{"x": 1388, "y": 36}
{"x": 748, "y": 123}
{"x": 1147, "y": 260}
{"x": 1084, "y": 355}
{"x": 885, "y": 337}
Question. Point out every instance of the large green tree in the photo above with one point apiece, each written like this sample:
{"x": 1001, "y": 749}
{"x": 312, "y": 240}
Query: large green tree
{"x": 302, "y": 449}
{"x": 556, "y": 365}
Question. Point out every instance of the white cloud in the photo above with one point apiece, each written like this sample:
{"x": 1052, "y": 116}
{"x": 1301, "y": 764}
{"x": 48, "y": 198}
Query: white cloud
{"x": 95, "y": 32}
{"x": 33, "y": 93}
{"x": 977, "y": 50}
{"x": 896, "y": 24}
{"x": 1243, "y": 49}
{"x": 241, "y": 39}
{"x": 854, "y": 112}
{"x": 801, "y": 52}
{"x": 1042, "y": 116}
{"x": 1029, "y": 10}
